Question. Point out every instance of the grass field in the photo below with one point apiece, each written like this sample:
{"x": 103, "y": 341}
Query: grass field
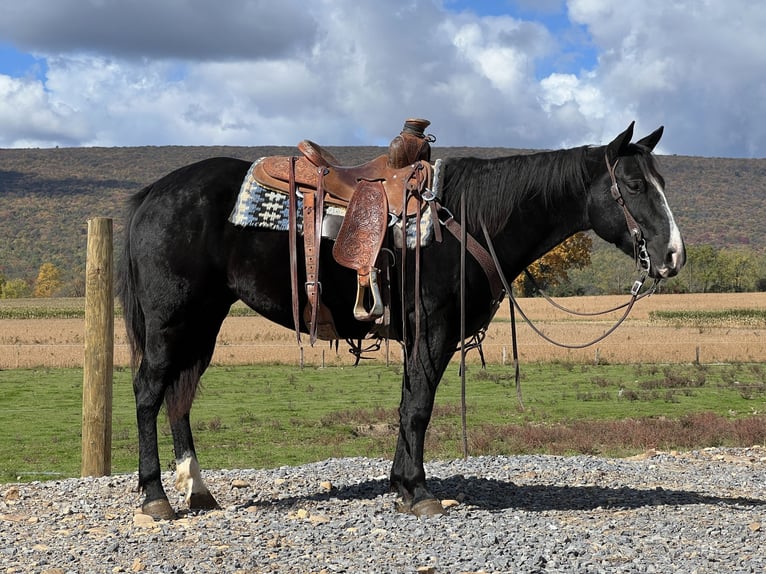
{"x": 272, "y": 415}
{"x": 258, "y": 408}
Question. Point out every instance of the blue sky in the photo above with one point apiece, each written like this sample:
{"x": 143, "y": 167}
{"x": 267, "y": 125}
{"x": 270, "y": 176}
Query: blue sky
{"x": 515, "y": 73}
{"x": 16, "y": 63}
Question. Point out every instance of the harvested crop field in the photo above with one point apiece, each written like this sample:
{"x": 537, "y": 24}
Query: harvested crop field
{"x": 660, "y": 329}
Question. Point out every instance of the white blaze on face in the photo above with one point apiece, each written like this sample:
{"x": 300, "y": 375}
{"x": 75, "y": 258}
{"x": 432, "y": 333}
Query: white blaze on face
{"x": 675, "y": 243}
{"x": 188, "y": 478}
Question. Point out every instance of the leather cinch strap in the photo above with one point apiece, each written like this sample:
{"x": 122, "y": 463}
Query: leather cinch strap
{"x": 311, "y": 245}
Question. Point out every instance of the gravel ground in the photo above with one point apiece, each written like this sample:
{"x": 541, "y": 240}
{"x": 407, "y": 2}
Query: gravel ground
{"x": 702, "y": 511}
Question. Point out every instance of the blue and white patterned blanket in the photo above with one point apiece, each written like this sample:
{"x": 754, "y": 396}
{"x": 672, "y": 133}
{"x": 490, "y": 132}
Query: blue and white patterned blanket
{"x": 258, "y": 206}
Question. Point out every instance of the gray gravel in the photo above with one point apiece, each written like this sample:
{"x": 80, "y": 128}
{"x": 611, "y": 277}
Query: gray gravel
{"x": 702, "y": 511}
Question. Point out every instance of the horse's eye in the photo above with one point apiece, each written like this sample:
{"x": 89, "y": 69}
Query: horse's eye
{"x": 635, "y": 185}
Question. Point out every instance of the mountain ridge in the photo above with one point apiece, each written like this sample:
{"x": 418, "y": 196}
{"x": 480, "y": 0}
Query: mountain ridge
{"x": 47, "y": 195}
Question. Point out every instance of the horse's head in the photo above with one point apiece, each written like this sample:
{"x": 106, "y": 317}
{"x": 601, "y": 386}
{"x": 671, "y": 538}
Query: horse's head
{"x": 627, "y": 206}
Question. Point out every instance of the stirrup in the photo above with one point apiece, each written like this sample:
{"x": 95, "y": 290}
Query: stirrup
{"x": 364, "y": 284}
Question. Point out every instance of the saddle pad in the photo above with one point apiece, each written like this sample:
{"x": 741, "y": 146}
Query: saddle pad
{"x": 258, "y": 206}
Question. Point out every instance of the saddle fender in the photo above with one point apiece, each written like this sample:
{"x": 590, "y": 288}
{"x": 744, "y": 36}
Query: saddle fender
{"x": 359, "y": 241}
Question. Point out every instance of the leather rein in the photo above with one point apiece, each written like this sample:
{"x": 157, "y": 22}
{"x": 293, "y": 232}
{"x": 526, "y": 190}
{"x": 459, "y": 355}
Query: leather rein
{"x": 499, "y": 287}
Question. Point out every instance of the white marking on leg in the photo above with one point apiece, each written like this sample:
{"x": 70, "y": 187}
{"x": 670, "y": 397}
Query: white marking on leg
{"x": 189, "y": 479}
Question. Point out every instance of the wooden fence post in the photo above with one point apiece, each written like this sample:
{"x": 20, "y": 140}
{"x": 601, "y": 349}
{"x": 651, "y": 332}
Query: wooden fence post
{"x": 99, "y": 351}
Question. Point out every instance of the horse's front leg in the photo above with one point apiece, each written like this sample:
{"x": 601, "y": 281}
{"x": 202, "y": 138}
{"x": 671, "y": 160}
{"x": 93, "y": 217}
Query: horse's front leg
{"x": 408, "y": 477}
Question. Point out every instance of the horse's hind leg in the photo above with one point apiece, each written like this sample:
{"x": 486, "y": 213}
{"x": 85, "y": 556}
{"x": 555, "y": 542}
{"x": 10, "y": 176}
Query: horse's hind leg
{"x": 160, "y": 378}
{"x": 188, "y": 477}
{"x": 149, "y": 389}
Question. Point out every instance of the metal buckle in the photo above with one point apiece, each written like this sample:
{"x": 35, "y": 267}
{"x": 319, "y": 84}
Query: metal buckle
{"x": 638, "y": 284}
{"x": 444, "y": 221}
{"x": 642, "y": 255}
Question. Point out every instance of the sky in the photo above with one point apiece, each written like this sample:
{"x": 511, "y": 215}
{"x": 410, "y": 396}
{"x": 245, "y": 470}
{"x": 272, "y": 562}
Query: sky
{"x": 539, "y": 74}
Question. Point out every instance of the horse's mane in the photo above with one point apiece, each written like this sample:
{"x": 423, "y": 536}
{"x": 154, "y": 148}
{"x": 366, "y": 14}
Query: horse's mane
{"x": 495, "y": 187}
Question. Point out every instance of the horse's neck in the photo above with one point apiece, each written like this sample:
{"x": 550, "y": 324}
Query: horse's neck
{"x": 541, "y": 224}
{"x": 529, "y": 237}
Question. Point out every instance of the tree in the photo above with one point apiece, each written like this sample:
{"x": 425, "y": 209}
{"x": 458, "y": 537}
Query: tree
{"x": 738, "y": 268}
{"x": 701, "y": 268}
{"x": 15, "y": 289}
{"x": 48, "y": 281}
{"x": 553, "y": 267}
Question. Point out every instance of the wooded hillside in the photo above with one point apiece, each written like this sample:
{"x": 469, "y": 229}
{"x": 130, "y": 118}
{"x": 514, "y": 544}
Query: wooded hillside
{"x": 47, "y": 196}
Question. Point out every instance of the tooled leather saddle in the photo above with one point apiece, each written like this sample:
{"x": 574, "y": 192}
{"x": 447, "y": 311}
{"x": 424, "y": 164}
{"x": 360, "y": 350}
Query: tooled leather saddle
{"x": 372, "y": 193}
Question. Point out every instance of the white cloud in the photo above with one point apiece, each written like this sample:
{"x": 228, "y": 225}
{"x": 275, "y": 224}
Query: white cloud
{"x": 693, "y": 66}
{"x": 29, "y": 117}
{"x": 572, "y": 102}
{"x": 348, "y": 72}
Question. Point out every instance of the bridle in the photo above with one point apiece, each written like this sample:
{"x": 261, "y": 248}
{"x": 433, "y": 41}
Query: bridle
{"x": 643, "y": 263}
{"x": 641, "y": 254}
{"x": 500, "y": 286}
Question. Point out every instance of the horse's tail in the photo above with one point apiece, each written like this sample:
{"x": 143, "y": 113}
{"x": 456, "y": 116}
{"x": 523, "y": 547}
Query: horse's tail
{"x": 132, "y": 312}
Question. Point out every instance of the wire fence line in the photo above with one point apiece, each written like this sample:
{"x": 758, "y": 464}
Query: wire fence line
{"x": 720, "y": 350}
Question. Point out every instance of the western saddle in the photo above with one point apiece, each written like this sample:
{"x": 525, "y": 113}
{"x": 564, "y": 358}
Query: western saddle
{"x": 386, "y": 188}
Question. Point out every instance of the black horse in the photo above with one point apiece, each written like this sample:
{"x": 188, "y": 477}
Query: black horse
{"x": 184, "y": 264}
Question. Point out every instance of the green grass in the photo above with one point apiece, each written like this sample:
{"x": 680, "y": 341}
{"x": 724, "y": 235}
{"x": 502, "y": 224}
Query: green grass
{"x": 272, "y": 415}
{"x": 58, "y": 308}
{"x": 712, "y": 317}
{"x": 74, "y": 308}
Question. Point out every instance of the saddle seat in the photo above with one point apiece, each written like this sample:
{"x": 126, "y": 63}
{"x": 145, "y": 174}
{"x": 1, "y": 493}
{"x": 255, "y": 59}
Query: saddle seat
{"x": 338, "y": 182}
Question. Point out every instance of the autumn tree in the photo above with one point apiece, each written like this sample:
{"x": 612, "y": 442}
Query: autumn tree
{"x": 48, "y": 281}
{"x": 553, "y": 267}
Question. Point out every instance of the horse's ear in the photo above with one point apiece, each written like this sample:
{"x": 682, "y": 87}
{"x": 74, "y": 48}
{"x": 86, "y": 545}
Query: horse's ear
{"x": 619, "y": 145}
{"x": 652, "y": 139}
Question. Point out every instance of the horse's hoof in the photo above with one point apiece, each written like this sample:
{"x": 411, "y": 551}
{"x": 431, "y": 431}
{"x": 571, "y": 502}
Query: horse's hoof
{"x": 202, "y": 501}
{"x": 159, "y": 509}
{"x": 426, "y": 507}
{"x": 404, "y": 506}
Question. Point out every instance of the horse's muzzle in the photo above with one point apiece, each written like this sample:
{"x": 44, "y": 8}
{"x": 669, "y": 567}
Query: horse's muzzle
{"x": 672, "y": 263}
